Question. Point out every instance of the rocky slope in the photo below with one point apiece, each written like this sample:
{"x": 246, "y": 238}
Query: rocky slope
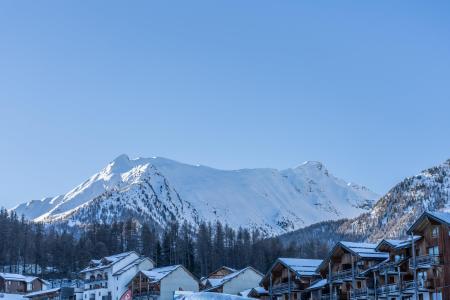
{"x": 392, "y": 213}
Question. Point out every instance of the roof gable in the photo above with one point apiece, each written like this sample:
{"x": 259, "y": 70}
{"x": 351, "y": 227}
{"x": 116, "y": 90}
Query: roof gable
{"x": 366, "y": 251}
{"x": 215, "y": 283}
{"x": 17, "y": 277}
{"x": 437, "y": 216}
{"x": 157, "y": 274}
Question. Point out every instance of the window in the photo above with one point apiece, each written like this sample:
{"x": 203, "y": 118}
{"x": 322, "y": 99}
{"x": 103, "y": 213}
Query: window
{"x": 398, "y": 257}
{"x": 421, "y": 278}
{"x": 433, "y": 251}
{"x": 435, "y": 231}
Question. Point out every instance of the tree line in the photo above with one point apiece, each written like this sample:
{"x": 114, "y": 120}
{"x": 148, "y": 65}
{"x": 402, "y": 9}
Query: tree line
{"x": 63, "y": 252}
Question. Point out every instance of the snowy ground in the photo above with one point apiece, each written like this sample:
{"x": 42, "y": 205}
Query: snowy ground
{"x": 11, "y": 296}
{"x": 210, "y": 296}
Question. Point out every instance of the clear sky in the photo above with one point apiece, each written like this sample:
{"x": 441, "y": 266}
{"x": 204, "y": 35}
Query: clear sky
{"x": 363, "y": 86}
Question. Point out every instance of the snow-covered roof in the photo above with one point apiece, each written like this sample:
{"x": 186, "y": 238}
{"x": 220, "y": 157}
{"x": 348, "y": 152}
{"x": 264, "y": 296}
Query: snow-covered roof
{"x": 226, "y": 268}
{"x": 106, "y": 262}
{"x": 134, "y": 263}
{"x": 43, "y": 292}
{"x": 217, "y": 282}
{"x": 318, "y": 284}
{"x": 439, "y": 216}
{"x": 301, "y": 266}
{"x": 213, "y": 296}
{"x": 397, "y": 244}
{"x": 366, "y": 251}
{"x": 17, "y": 277}
{"x": 155, "y": 275}
{"x": 7, "y": 296}
{"x": 245, "y": 293}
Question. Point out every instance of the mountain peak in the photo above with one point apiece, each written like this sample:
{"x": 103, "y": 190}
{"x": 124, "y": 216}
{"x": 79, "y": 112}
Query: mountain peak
{"x": 159, "y": 189}
{"x": 313, "y": 164}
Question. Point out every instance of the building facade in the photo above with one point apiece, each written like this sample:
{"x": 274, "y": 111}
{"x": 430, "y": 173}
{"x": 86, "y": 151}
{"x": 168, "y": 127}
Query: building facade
{"x": 107, "y": 278}
{"x": 348, "y": 271}
{"x": 20, "y": 284}
{"x": 289, "y": 278}
{"x": 235, "y": 282}
{"x": 162, "y": 283}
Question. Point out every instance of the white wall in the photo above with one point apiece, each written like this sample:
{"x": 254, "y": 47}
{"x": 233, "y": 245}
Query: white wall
{"x": 176, "y": 280}
{"x": 246, "y": 280}
{"x": 124, "y": 278}
{"x": 117, "y": 284}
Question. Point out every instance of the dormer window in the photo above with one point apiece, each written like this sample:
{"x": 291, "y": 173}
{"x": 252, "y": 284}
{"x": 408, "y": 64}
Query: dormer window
{"x": 435, "y": 231}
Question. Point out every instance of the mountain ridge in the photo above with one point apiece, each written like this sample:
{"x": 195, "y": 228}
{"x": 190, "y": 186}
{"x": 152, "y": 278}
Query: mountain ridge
{"x": 159, "y": 189}
{"x": 391, "y": 215}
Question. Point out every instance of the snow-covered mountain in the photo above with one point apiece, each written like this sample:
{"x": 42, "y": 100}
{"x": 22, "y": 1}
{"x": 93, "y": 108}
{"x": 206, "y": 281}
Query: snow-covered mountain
{"x": 391, "y": 216}
{"x": 159, "y": 190}
{"x": 395, "y": 211}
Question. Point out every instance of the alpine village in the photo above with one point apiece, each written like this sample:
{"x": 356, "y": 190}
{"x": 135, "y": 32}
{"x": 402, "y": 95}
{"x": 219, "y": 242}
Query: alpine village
{"x": 417, "y": 267}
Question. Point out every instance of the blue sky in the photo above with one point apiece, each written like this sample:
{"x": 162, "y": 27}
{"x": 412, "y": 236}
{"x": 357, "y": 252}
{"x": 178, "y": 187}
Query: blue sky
{"x": 363, "y": 86}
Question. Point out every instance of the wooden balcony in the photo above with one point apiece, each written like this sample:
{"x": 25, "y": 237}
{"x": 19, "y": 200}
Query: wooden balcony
{"x": 283, "y": 288}
{"x": 389, "y": 268}
{"x": 411, "y": 285}
{"x": 362, "y": 293}
{"x": 345, "y": 274}
{"x": 329, "y": 297}
{"x": 425, "y": 261}
{"x": 388, "y": 289}
{"x": 95, "y": 284}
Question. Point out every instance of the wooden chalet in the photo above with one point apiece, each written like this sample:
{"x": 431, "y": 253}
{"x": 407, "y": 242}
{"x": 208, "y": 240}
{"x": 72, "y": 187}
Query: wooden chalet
{"x": 19, "y": 284}
{"x": 234, "y": 283}
{"x": 61, "y": 293}
{"x": 430, "y": 257}
{"x": 288, "y": 278}
{"x": 161, "y": 283}
{"x": 347, "y": 269}
{"x": 392, "y": 275}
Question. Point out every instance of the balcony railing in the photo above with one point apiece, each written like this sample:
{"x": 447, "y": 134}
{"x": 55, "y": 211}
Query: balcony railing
{"x": 388, "y": 289}
{"x": 409, "y": 285}
{"x": 341, "y": 275}
{"x": 345, "y": 274}
{"x": 362, "y": 292}
{"x": 425, "y": 260}
{"x": 95, "y": 284}
{"x": 389, "y": 268}
{"x": 284, "y": 287}
{"x": 146, "y": 295}
{"x": 329, "y": 297}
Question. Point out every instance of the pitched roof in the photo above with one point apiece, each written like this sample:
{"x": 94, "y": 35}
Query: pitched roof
{"x": 245, "y": 293}
{"x": 218, "y": 282}
{"x": 318, "y": 284}
{"x": 438, "y": 216}
{"x": 366, "y": 251}
{"x": 17, "y": 277}
{"x": 231, "y": 270}
{"x": 301, "y": 266}
{"x": 156, "y": 274}
{"x": 106, "y": 262}
{"x": 397, "y": 244}
{"x": 134, "y": 263}
{"x": 42, "y": 292}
